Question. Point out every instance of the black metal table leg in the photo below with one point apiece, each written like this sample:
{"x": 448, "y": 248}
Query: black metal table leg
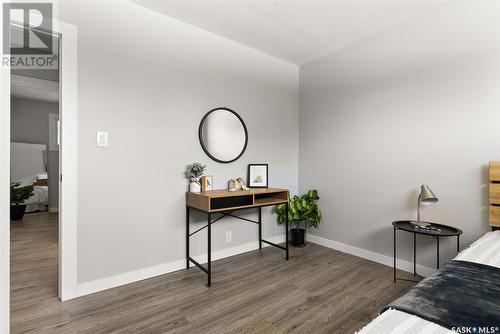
{"x": 437, "y": 258}
{"x": 458, "y": 243}
{"x": 394, "y": 254}
{"x": 209, "y": 250}
{"x": 286, "y": 233}
{"x": 208, "y": 268}
{"x": 414, "y": 254}
{"x": 260, "y": 227}
{"x": 187, "y": 237}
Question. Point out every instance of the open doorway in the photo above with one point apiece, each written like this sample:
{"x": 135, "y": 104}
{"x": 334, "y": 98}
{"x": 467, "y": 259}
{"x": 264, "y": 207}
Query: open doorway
{"x": 35, "y": 182}
{"x": 68, "y": 286}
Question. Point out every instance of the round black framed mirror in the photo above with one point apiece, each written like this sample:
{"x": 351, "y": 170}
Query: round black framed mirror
{"x": 223, "y": 135}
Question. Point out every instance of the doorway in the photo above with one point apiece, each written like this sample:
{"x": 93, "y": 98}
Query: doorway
{"x": 35, "y": 181}
{"x": 68, "y": 287}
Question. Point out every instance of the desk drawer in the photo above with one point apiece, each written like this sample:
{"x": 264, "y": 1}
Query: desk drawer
{"x": 217, "y": 203}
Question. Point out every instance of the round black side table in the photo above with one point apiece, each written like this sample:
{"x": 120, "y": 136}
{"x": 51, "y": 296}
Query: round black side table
{"x": 435, "y": 230}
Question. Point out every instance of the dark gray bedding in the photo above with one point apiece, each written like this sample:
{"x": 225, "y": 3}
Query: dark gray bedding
{"x": 462, "y": 294}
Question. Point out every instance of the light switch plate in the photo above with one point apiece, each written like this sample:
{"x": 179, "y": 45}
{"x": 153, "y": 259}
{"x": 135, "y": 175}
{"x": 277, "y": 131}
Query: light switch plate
{"x": 102, "y": 139}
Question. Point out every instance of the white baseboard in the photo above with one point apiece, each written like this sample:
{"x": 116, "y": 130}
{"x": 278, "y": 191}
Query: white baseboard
{"x": 141, "y": 274}
{"x": 369, "y": 255}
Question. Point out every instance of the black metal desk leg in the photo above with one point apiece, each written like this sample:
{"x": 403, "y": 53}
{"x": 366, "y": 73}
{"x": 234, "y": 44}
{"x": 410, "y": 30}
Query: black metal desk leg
{"x": 286, "y": 232}
{"x": 458, "y": 243}
{"x": 187, "y": 237}
{"x": 260, "y": 227}
{"x": 209, "y": 250}
{"x": 394, "y": 254}
{"x": 437, "y": 258}
{"x": 414, "y": 254}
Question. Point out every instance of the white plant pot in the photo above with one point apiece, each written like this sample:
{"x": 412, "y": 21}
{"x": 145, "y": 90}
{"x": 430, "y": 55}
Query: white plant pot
{"x": 194, "y": 187}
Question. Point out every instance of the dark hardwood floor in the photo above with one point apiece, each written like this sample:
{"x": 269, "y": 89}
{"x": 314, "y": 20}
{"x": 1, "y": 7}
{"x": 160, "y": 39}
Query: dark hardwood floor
{"x": 318, "y": 291}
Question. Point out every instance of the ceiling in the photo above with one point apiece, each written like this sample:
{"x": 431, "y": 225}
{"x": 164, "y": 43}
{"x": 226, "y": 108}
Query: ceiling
{"x": 294, "y": 31}
{"x": 31, "y": 88}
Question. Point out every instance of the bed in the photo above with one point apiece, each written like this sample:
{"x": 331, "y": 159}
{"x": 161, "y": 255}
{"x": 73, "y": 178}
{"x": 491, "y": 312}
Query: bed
{"x": 29, "y": 167}
{"x": 484, "y": 255}
{"x": 40, "y": 199}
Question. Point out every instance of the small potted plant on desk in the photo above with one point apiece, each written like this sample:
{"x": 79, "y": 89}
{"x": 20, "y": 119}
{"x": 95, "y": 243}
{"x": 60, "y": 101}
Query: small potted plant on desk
{"x": 17, "y": 196}
{"x": 301, "y": 210}
{"x": 193, "y": 172}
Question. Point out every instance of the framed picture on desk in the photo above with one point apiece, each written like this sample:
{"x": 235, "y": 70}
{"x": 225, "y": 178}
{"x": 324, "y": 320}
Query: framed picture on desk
{"x": 258, "y": 175}
{"x": 207, "y": 183}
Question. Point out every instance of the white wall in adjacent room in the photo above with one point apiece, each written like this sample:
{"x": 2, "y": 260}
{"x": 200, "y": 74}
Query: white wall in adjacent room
{"x": 416, "y": 103}
{"x": 30, "y": 124}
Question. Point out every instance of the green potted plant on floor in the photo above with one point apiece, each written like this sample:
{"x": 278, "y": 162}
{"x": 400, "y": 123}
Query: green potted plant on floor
{"x": 17, "y": 197}
{"x": 302, "y": 210}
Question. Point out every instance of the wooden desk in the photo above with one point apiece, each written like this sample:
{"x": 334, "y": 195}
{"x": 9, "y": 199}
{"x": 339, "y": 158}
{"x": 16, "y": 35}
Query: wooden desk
{"x": 225, "y": 202}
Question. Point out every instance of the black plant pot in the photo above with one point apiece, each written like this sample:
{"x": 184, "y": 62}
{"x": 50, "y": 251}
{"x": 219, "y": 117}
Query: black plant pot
{"x": 17, "y": 212}
{"x": 298, "y": 237}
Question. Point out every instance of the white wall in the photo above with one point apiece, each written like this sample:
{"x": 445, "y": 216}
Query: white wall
{"x": 417, "y": 103}
{"x": 148, "y": 80}
{"x": 30, "y": 124}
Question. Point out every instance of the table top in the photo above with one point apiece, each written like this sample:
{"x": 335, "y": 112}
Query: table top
{"x": 240, "y": 192}
{"x": 445, "y": 230}
{"x": 223, "y": 200}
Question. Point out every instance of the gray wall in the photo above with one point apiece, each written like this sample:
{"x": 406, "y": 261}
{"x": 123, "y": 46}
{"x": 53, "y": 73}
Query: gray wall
{"x": 148, "y": 80}
{"x": 30, "y": 124}
{"x": 417, "y": 103}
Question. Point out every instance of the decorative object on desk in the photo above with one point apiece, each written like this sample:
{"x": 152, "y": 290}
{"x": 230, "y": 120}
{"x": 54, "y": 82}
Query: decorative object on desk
{"x": 223, "y": 135}
{"x": 231, "y": 185}
{"x": 242, "y": 183}
{"x": 207, "y": 183}
{"x": 203, "y": 182}
{"x": 236, "y": 184}
{"x": 17, "y": 197}
{"x": 193, "y": 172}
{"x": 302, "y": 210}
{"x": 258, "y": 175}
{"x": 426, "y": 197}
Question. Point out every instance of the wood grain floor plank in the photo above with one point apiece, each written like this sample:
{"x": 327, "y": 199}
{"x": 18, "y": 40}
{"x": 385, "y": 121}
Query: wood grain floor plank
{"x": 318, "y": 291}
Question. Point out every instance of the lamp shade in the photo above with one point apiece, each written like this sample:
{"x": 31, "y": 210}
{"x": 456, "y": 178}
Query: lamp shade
{"x": 426, "y": 195}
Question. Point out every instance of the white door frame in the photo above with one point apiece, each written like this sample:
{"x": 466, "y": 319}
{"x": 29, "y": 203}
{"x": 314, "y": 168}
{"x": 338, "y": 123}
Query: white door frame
{"x": 68, "y": 169}
{"x": 4, "y": 194}
{"x": 68, "y": 160}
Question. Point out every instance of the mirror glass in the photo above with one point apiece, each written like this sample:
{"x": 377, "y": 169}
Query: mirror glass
{"x": 223, "y": 135}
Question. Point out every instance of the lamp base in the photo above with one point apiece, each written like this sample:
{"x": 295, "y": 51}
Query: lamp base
{"x": 420, "y": 223}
